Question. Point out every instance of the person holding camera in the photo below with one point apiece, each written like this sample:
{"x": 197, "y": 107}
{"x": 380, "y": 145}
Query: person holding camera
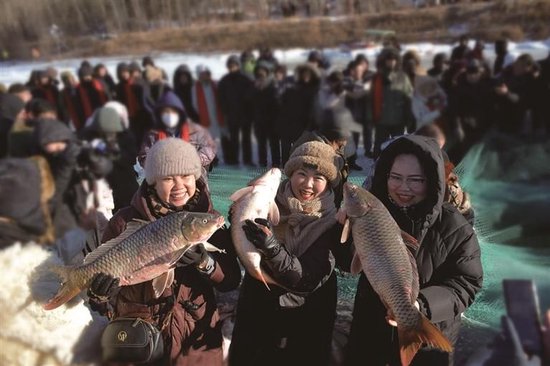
{"x": 71, "y": 165}
{"x": 429, "y": 101}
{"x": 185, "y": 313}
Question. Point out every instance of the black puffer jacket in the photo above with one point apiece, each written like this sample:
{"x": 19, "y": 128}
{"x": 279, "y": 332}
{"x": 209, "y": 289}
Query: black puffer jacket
{"x": 448, "y": 262}
{"x": 278, "y": 327}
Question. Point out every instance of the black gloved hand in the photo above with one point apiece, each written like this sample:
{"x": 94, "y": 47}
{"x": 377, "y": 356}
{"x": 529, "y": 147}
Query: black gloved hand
{"x": 199, "y": 257}
{"x": 103, "y": 286}
{"x": 261, "y": 236}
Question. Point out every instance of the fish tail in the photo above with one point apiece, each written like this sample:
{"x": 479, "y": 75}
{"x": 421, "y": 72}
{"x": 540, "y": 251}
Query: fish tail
{"x": 262, "y": 278}
{"x": 67, "y": 290}
{"x": 411, "y": 339}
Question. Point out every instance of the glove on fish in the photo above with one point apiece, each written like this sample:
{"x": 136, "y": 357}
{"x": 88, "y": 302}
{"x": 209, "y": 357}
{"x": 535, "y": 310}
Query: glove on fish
{"x": 103, "y": 286}
{"x": 199, "y": 257}
{"x": 261, "y": 236}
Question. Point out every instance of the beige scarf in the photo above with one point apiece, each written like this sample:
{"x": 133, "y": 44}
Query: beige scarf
{"x": 302, "y": 223}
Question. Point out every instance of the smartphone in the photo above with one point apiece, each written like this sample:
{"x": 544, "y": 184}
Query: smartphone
{"x": 522, "y": 306}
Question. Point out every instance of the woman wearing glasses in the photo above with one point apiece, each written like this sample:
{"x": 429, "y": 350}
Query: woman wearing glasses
{"x": 410, "y": 180}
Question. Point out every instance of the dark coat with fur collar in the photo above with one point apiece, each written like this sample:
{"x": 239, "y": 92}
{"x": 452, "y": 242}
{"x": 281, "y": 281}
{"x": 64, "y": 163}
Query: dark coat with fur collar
{"x": 448, "y": 262}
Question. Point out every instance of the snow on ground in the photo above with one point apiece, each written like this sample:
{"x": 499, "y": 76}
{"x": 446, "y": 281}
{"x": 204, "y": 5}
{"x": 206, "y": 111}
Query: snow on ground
{"x": 20, "y": 71}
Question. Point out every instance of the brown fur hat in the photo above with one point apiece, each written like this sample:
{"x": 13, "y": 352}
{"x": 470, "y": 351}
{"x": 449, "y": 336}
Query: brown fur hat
{"x": 319, "y": 155}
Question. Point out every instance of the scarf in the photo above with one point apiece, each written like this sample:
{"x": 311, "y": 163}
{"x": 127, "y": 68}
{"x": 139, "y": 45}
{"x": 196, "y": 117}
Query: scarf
{"x": 204, "y": 116}
{"x": 377, "y": 97}
{"x": 302, "y": 223}
{"x": 183, "y": 133}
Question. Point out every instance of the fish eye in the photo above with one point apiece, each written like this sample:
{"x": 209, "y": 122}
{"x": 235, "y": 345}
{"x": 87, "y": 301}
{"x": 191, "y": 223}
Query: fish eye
{"x": 204, "y": 221}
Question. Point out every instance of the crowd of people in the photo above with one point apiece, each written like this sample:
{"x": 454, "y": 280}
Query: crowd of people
{"x": 78, "y": 145}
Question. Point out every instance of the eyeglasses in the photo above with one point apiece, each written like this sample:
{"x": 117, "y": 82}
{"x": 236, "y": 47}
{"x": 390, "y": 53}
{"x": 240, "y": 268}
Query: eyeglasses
{"x": 414, "y": 183}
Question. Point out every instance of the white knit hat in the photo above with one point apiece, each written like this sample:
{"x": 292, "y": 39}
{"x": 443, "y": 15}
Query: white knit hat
{"x": 171, "y": 156}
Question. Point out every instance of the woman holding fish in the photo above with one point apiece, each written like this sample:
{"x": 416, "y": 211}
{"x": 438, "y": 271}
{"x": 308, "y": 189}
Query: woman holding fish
{"x": 287, "y": 301}
{"x": 181, "y": 302}
{"x": 440, "y": 278}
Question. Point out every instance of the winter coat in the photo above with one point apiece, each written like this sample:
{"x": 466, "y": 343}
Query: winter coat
{"x": 389, "y": 104}
{"x": 10, "y": 106}
{"x": 90, "y": 95}
{"x": 265, "y": 108}
{"x": 294, "y": 326}
{"x": 192, "y": 332}
{"x": 232, "y": 91}
{"x": 297, "y": 108}
{"x": 471, "y": 103}
{"x": 187, "y": 130}
{"x": 448, "y": 263}
{"x": 184, "y": 91}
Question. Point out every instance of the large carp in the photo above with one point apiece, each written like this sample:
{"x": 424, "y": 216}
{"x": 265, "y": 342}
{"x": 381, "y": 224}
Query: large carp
{"x": 390, "y": 268}
{"x": 144, "y": 251}
{"x": 255, "y": 200}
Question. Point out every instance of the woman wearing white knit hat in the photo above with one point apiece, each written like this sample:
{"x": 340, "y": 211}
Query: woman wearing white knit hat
{"x": 186, "y": 311}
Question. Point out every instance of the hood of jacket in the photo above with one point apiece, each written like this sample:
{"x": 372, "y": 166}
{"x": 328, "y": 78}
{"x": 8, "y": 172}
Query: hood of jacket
{"x": 431, "y": 159}
{"x": 170, "y": 99}
{"x": 10, "y": 106}
{"x": 182, "y": 69}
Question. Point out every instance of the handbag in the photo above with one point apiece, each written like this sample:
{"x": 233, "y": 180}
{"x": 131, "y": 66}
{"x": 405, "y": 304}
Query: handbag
{"x": 131, "y": 340}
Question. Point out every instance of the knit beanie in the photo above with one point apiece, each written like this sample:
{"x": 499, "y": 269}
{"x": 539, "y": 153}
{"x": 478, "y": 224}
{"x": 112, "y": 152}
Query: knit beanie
{"x": 319, "y": 155}
{"x": 171, "y": 156}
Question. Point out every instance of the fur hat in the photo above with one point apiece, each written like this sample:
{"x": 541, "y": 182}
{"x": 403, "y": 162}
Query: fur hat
{"x": 172, "y": 156}
{"x": 319, "y": 155}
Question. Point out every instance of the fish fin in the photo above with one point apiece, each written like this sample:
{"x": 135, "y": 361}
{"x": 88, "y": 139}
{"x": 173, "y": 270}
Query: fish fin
{"x": 345, "y": 232}
{"x": 67, "y": 290}
{"x": 262, "y": 278}
{"x": 237, "y": 195}
{"x": 273, "y": 214}
{"x": 212, "y": 248}
{"x": 410, "y": 241}
{"x": 175, "y": 256}
{"x": 356, "y": 266}
{"x": 162, "y": 282}
{"x": 411, "y": 339}
{"x": 131, "y": 227}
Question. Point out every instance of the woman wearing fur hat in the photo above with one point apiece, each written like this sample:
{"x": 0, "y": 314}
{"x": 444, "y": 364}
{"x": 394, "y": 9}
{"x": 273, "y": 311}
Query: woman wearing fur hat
{"x": 186, "y": 311}
{"x": 293, "y": 325}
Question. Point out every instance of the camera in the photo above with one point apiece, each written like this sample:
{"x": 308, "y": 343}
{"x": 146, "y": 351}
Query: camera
{"x": 96, "y": 157}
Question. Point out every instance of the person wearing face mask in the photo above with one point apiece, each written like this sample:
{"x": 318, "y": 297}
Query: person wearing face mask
{"x": 186, "y": 312}
{"x": 292, "y": 324}
{"x": 172, "y": 121}
{"x": 410, "y": 181}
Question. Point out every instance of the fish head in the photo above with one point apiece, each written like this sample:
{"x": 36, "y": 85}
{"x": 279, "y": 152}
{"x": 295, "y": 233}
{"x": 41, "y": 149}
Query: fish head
{"x": 357, "y": 200}
{"x": 271, "y": 179}
{"x": 199, "y": 227}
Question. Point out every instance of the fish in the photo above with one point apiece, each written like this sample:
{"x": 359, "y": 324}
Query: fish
{"x": 144, "y": 251}
{"x": 381, "y": 253}
{"x": 256, "y": 200}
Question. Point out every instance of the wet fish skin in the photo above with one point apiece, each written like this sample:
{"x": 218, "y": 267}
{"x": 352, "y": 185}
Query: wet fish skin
{"x": 255, "y": 200}
{"x": 142, "y": 252}
{"x": 390, "y": 269}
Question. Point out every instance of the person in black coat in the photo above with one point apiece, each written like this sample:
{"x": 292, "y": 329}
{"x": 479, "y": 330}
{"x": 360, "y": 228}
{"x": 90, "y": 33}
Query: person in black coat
{"x": 410, "y": 181}
{"x": 297, "y": 107}
{"x": 264, "y": 109}
{"x": 183, "y": 87}
{"x": 292, "y": 323}
{"x": 233, "y": 89}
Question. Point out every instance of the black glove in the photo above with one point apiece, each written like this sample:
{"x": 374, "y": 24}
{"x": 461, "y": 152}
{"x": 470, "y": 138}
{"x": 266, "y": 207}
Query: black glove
{"x": 261, "y": 236}
{"x": 199, "y": 257}
{"x": 103, "y": 286}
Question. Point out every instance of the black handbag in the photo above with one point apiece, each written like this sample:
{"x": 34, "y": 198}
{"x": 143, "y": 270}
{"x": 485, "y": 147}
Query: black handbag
{"x": 131, "y": 340}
